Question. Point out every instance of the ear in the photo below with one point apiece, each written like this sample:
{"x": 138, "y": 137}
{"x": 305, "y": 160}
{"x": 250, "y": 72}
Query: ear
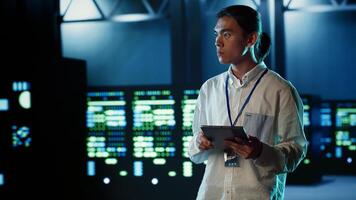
{"x": 252, "y": 39}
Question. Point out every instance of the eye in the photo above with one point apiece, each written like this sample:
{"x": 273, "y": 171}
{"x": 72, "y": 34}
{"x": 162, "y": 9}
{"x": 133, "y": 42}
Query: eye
{"x": 227, "y": 35}
{"x": 215, "y": 34}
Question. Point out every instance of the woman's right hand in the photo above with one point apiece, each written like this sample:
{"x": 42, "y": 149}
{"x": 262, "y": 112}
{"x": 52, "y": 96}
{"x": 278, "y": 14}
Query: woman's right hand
{"x": 204, "y": 143}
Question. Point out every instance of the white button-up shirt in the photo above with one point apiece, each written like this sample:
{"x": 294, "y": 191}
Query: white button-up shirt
{"x": 274, "y": 115}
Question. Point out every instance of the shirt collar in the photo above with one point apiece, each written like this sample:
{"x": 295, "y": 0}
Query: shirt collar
{"x": 250, "y": 75}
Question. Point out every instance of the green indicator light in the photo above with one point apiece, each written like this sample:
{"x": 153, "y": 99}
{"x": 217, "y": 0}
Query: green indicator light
{"x": 159, "y": 161}
{"x": 111, "y": 161}
{"x": 346, "y": 143}
{"x": 187, "y": 169}
{"x": 306, "y": 161}
{"x": 172, "y": 173}
{"x": 123, "y": 173}
{"x": 107, "y": 103}
{"x": 352, "y": 148}
{"x": 347, "y": 110}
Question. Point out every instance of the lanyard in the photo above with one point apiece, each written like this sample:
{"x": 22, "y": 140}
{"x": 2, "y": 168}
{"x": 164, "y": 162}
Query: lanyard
{"x": 246, "y": 101}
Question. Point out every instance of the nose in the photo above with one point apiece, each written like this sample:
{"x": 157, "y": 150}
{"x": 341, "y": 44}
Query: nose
{"x": 218, "y": 41}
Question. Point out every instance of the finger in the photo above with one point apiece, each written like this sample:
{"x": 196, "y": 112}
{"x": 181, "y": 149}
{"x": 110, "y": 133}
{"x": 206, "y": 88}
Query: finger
{"x": 234, "y": 143}
{"x": 229, "y": 143}
{"x": 240, "y": 141}
{"x": 235, "y": 147}
{"x": 202, "y": 137}
{"x": 207, "y": 142}
{"x": 203, "y": 147}
{"x": 206, "y": 145}
{"x": 241, "y": 150}
{"x": 204, "y": 142}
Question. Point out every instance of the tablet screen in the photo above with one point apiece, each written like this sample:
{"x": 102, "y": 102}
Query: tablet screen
{"x": 217, "y": 134}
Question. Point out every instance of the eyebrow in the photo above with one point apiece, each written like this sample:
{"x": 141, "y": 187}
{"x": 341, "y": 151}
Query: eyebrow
{"x": 223, "y": 30}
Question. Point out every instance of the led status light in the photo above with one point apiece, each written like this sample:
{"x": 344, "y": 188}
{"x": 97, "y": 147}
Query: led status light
{"x": 123, "y": 173}
{"x": 306, "y": 115}
{"x": 172, "y": 173}
{"x": 21, "y": 136}
{"x": 349, "y": 160}
{"x": 187, "y": 169}
{"x": 2, "y": 182}
{"x": 154, "y": 181}
{"x": 91, "y": 168}
{"x": 25, "y": 100}
{"x": 106, "y": 180}
{"x": 19, "y": 86}
{"x": 4, "y": 104}
{"x": 306, "y": 161}
{"x": 138, "y": 168}
{"x": 325, "y": 114}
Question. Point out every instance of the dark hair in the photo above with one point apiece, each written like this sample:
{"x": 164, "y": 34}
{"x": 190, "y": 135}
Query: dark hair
{"x": 250, "y": 21}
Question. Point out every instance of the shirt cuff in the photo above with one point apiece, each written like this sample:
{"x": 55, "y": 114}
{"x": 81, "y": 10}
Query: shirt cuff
{"x": 195, "y": 147}
{"x": 195, "y": 154}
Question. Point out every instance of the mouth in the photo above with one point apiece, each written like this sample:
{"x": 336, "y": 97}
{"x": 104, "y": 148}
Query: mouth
{"x": 219, "y": 53}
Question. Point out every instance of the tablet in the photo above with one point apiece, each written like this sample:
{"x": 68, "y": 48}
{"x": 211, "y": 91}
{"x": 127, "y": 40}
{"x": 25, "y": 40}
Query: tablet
{"x": 217, "y": 134}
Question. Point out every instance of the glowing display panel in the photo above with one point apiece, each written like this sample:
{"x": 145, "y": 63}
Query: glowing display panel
{"x": 326, "y": 114}
{"x": 153, "y": 126}
{"x": 21, "y": 107}
{"x": 307, "y": 125}
{"x": 16, "y": 122}
{"x": 106, "y": 125}
{"x": 306, "y": 115}
{"x": 21, "y": 136}
{"x": 326, "y": 139}
{"x": 345, "y": 131}
{"x": 188, "y": 105}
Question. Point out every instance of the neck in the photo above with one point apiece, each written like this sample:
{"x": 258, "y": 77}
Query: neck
{"x": 240, "y": 69}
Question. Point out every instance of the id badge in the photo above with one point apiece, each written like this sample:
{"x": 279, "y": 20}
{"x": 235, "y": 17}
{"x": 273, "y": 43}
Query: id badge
{"x": 231, "y": 160}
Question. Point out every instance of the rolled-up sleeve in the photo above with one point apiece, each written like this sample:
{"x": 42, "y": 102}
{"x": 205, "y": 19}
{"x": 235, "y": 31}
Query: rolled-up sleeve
{"x": 195, "y": 154}
{"x": 292, "y": 145}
